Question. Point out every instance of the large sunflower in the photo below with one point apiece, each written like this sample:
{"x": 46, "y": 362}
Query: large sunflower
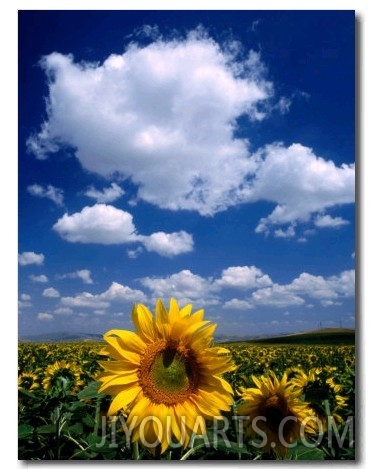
{"x": 166, "y": 377}
{"x": 276, "y": 413}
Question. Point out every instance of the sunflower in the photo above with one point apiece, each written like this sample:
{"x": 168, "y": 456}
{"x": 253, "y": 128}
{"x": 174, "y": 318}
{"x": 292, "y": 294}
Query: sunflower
{"x": 317, "y": 386}
{"x": 62, "y": 375}
{"x": 167, "y": 375}
{"x": 27, "y": 380}
{"x": 276, "y": 413}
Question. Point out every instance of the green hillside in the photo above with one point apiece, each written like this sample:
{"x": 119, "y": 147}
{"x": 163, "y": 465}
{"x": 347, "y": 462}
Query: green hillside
{"x": 330, "y": 336}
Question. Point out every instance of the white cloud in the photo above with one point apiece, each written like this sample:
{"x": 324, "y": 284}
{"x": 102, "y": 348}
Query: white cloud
{"x": 288, "y": 233}
{"x": 326, "y": 290}
{"x": 237, "y": 304}
{"x": 120, "y": 293}
{"x": 63, "y": 310}
{"x": 39, "y": 278}
{"x": 300, "y": 183}
{"x": 51, "y": 293}
{"x": 116, "y": 293}
{"x": 243, "y": 277}
{"x": 25, "y": 301}
{"x": 105, "y": 224}
{"x": 164, "y": 117}
{"x": 168, "y": 244}
{"x": 83, "y": 274}
{"x": 84, "y": 300}
{"x": 326, "y": 221}
{"x": 100, "y": 223}
{"x": 256, "y": 289}
{"x": 166, "y": 109}
{"x": 50, "y": 192}
{"x": 134, "y": 253}
{"x": 30, "y": 257}
{"x": 321, "y": 288}
{"x": 45, "y": 316}
{"x": 109, "y": 194}
{"x": 184, "y": 286}
{"x": 278, "y": 296}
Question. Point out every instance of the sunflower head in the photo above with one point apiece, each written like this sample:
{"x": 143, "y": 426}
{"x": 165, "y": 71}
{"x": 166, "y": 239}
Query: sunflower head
{"x": 167, "y": 375}
{"x": 28, "y": 380}
{"x": 275, "y": 412}
{"x": 62, "y": 376}
{"x": 317, "y": 386}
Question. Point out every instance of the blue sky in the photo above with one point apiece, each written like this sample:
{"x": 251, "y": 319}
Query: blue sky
{"x": 203, "y": 155}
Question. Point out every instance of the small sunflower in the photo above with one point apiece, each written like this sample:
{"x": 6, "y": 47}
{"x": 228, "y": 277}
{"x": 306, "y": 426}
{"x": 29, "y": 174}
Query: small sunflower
{"x": 276, "y": 411}
{"x": 62, "y": 375}
{"x": 27, "y": 380}
{"x": 317, "y": 386}
{"x": 166, "y": 377}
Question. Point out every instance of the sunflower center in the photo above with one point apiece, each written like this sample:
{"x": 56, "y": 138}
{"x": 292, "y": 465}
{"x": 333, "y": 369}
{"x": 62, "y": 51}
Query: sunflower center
{"x": 275, "y": 411}
{"x": 168, "y": 373}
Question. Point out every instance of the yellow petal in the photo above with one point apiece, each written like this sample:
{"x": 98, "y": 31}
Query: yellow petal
{"x": 143, "y": 322}
{"x": 127, "y": 340}
{"x": 123, "y": 399}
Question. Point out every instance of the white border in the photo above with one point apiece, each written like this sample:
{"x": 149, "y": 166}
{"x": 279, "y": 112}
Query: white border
{"x": 367, "y": 12}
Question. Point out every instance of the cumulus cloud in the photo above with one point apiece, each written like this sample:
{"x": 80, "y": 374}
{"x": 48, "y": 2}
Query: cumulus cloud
{"x": 39, "y": 278}
{"x": 116, "y": 293}
{"x": 277, "y": 295}
{"x": 50, "y": 192}
{"x": 243, "y": 277}
{"x": 83, "y": 274}
{"x": 168, "y": 244}
{"x": 185, "y": 286}
{"x": 45, "y": 316}
{"x": 102, "y": 224}
{"x": 306, "y": 286}
{"x": 105, "y": 224}
{"x": 164, "y": 116}
{"x": 300, "y": 183}
{"x": 166, "y": 108}
{"x": 30, "y": 257}
{"x": 51, "y": 293}
{"x": 109, "y": 194}
{"x": 63, "y": 310}
{"x": 326, "y": 221}
{"x": 24, "y": 301}
{"x": 255, "y": 289}
{"x": 120, "y": 293}
{"x": 84, "y": 300}
{"x": 335, "y": 286}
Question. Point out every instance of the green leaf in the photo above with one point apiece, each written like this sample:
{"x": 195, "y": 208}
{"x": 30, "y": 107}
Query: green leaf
{"x": 96, "y": 443}
{"x": 28, "y": 393}
{"x": 24, "y": 431}
{"x": 76, "y": 429}
{"x": 45, "y": 429}
{"x": 91, "y": 391}
{"x": 231, "y": 446}
{"x": 302, "y": 452}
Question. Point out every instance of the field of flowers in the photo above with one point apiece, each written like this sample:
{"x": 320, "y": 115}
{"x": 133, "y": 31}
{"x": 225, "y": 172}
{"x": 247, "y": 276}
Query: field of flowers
{"x": 62, "y": 414}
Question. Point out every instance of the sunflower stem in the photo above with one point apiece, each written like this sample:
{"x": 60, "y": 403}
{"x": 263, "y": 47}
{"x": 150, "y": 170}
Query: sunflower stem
{"x": 236, "y": 425}
{"x": 135, "y": 450}
{"x": 327, "y": 407}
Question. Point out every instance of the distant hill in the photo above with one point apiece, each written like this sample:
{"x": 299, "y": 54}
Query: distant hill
{"x": 318, "y": 336}
{"x": 326, "y": 336}
{"x": 62, "y": 337}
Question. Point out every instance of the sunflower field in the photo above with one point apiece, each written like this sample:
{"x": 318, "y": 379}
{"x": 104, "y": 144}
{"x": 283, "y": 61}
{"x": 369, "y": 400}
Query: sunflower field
{"x": 168, "y": 392}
